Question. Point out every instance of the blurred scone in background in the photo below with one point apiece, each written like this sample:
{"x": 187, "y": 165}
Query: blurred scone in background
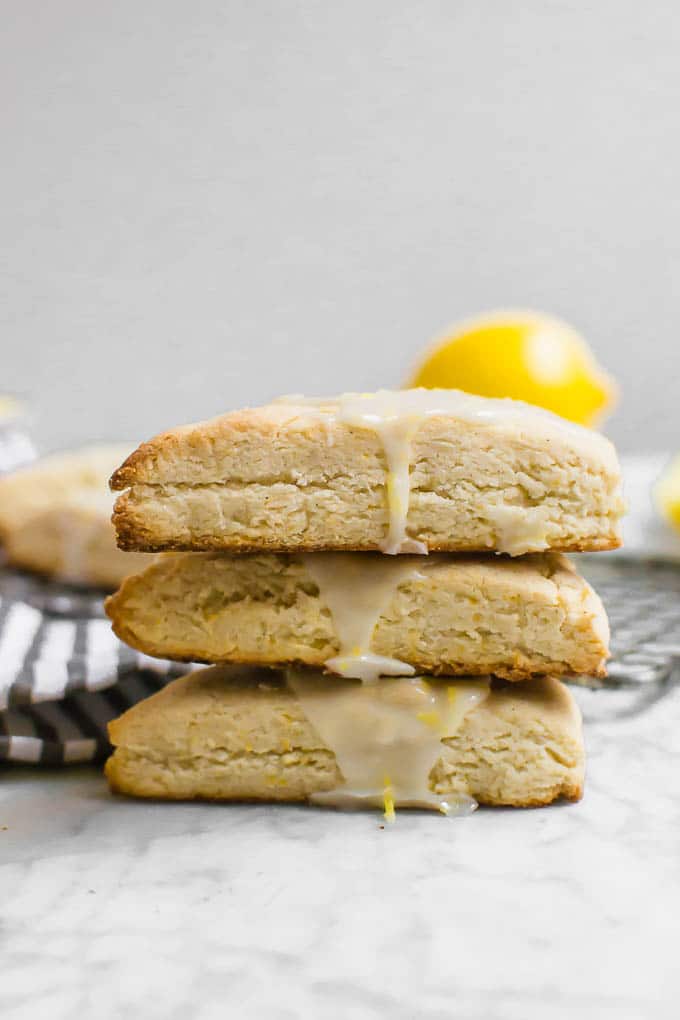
{"x": 55, "y": 518}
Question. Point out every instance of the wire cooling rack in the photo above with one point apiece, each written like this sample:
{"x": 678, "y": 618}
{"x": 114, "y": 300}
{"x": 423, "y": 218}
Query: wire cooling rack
{"x": 642, "y": 599}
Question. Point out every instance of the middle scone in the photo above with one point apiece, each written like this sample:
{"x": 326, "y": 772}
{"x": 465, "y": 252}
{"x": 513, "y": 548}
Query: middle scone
{"x": 367, "y": 615}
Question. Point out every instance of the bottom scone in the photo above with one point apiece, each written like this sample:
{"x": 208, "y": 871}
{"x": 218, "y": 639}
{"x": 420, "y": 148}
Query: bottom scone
{"x": 235, "y": 733}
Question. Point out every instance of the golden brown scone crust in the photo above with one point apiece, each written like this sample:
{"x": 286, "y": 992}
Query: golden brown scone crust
{"x": 285, "y": 478}
{"x": 459, "y": 616}
{"x": 230, "y": 733}
{"x": 133, "y": 530}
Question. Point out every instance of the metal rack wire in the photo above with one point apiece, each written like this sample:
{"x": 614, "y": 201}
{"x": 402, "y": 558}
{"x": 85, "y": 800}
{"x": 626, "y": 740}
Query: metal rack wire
{"x": 642, "y": 599}
{"x": 643, "y": 604}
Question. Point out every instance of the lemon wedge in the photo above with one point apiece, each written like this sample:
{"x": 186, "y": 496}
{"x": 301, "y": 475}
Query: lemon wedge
{"x": 667, "y": 493}
{"x": 524, "y": 355}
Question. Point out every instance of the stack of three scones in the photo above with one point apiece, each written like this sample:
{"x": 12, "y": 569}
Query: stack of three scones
{"x": 380, "y": 581}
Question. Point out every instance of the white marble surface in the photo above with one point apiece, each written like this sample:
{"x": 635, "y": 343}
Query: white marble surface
{"x": 112, "y": 908}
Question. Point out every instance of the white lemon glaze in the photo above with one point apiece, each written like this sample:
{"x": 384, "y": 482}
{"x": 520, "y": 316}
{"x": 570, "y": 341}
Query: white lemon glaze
{"x": 357, "y": 588}
{"x": 520, "y": 529}
{"x": 387, "y": 737}
{"x": 396, "y": 415}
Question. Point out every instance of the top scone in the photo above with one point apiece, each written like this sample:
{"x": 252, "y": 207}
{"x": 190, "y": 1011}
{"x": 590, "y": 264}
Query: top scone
{"x": 403, "y": 471}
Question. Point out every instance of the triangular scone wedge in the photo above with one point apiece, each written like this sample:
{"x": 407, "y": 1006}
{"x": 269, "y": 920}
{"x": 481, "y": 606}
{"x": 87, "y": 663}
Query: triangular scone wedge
{"x": 239, "y": 734}
{"x": 396, "y": 472}
{"x": 55, "y": 518}
{"x": 445, "y": 614}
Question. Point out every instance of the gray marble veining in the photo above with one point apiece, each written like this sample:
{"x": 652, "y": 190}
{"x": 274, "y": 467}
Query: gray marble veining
{"x": 113, "y": 908}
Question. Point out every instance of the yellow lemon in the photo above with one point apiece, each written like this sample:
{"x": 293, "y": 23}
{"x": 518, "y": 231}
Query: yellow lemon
{"x": 9, "y": 407}
{"x": 524, "y": 355}
{"x": 667, "y": 493}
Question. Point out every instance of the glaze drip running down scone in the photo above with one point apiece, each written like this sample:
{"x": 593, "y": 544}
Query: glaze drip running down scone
{"x": 407, "y": 471}
{"x": 233, "y": 733}
{"x": 364, "y": 615}
{"x": 356, "y": 598}
{"x": 387, "y": 738}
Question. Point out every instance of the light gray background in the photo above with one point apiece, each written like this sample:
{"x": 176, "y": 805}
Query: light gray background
{"x": 208, "y": 202}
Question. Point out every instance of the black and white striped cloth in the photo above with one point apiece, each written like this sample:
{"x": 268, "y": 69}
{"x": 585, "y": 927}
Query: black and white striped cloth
{"x": 63, "y": 673}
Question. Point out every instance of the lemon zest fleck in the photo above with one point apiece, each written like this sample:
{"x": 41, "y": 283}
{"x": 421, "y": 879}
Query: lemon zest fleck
{"x": 431, "y": 719}
{"x": 388, "y": 801}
